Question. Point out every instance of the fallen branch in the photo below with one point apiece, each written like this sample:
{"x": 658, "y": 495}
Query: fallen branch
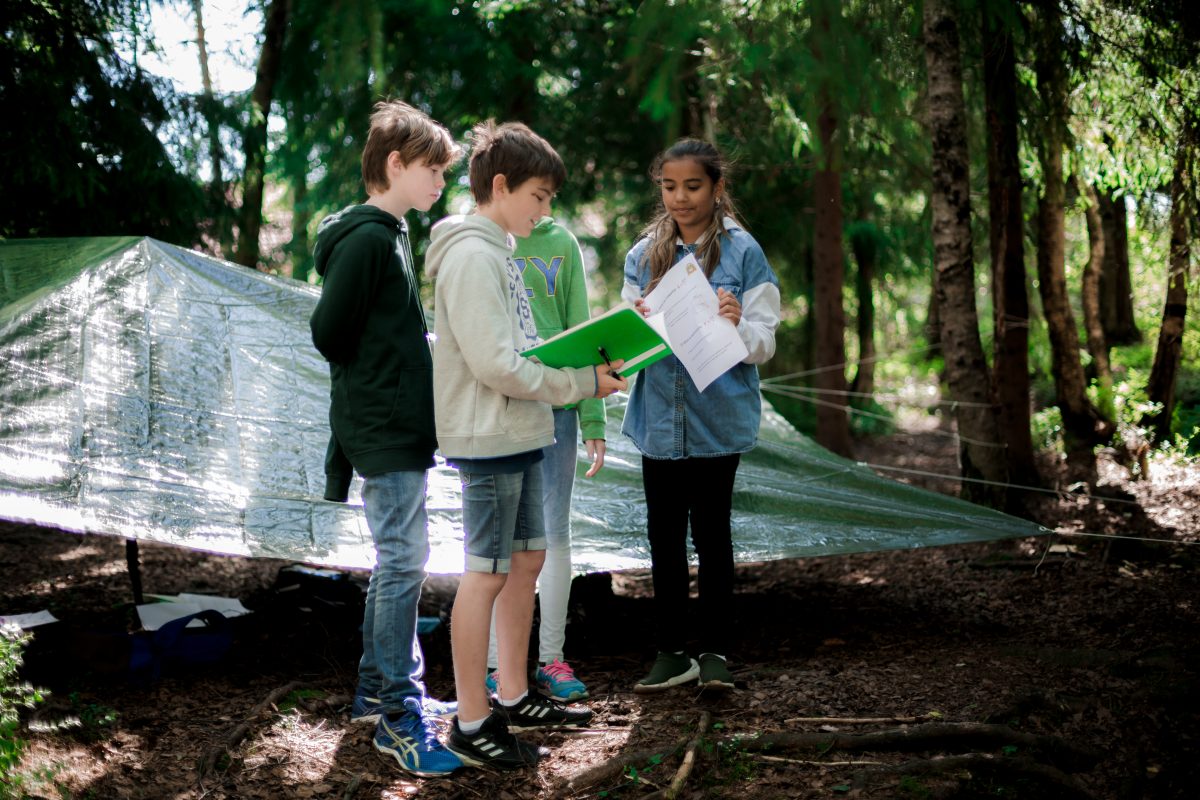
{"x": 214, "y": 753}
{"x": 953, "y": 737}
{"x": 780, "y": 759}
{"x": 689, "y": 761}
{"x": 613, "y": 768}
{"x": 1005, "y": 769}
{"x": 859, "y": 720}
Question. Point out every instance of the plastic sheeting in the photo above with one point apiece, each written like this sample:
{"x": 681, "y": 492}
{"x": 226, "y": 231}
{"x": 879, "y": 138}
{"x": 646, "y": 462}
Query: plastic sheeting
{"x": 156, "y": 393}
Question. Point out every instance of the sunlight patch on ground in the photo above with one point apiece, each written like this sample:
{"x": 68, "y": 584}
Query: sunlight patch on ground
{"x": 76, "y": 553}
{"x": 58, "y": 771}
{"x": 300, "y": 750}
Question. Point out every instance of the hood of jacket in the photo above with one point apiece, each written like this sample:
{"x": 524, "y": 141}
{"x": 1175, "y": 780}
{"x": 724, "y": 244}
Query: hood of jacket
{"x": 454, "y": 230}
{"x": 335, "y": 227}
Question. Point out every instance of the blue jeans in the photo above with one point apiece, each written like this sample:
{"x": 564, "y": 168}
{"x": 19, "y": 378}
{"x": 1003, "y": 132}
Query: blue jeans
{"x": 502, "y": 514}
{"x": 392, "y": 663}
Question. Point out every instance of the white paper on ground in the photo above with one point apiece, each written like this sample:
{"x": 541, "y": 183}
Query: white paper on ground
{"x": 154, "y": 615}
{"x": 27, "y": 621}
{"x": 705, "y": 343}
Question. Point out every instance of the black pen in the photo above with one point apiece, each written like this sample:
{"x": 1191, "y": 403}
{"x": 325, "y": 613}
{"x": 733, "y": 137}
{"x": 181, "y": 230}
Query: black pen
{"x": 604, "y": 355}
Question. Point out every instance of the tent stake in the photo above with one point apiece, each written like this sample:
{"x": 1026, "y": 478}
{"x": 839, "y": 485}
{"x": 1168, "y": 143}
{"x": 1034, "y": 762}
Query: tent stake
{"x": 135, "y": 573}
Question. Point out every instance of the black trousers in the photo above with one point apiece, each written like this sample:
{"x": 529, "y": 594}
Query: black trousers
{"x": 699, "y": 490}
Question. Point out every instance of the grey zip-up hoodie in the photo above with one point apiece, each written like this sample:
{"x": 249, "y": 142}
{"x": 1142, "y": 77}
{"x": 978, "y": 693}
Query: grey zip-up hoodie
{"x": 489, "y": 401}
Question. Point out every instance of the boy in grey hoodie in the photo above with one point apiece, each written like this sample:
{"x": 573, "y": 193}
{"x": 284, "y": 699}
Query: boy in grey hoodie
{"x": 493, "y": 411}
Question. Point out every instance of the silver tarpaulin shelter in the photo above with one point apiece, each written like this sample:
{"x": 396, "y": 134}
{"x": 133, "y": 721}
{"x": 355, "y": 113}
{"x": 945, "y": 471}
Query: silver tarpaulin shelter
{"x": 159, "y": 394}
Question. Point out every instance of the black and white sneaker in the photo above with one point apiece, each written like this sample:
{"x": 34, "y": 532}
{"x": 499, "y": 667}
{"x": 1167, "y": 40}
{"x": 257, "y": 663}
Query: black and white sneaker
{"x": 539, "y": 711}
{"x": 492, "y": 746}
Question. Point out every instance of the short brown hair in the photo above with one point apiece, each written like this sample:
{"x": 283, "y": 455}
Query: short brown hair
{"x": 514, "y": 151}
{"x": 397, "y": 126}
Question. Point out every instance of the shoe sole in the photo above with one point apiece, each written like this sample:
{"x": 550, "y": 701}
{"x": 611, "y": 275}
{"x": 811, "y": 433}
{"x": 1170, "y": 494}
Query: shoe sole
{"x": 680, "y": 679}
{"x": 426, "y": 773}
{"x": 567, "y": 698}
{"x": 374, "y": 718}
{"x": 717, "y": 686}
{"x": 550, "y": 726}
{"x": 472, "y": 761}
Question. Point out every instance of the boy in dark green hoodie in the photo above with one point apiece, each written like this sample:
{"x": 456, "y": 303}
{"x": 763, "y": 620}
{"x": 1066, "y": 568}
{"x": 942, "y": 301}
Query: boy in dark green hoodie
{"x": 370, "y": 326}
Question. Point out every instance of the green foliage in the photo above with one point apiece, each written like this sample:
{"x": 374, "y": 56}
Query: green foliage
{"x": 910, "y": 786}
{"x": 1047, "y": 429}
{"x": 82, "y": 127}
{"x": 294, "y": 698}
{"x": 14, "y": 695}
{"x": 92, "y": 721}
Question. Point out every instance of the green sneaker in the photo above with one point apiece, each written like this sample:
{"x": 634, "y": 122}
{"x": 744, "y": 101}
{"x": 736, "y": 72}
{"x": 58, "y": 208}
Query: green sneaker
{"x": 670, "y": 669}
{"x": 714, "y": 675}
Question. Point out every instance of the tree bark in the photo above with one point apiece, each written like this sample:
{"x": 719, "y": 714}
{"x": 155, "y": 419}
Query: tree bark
{"x": 865, "y": 250}
{"x": 1161, "y": 388}
{"x": 1116, "y": 288}
{"x": 218, "y": 203}
{"x": 1082, "y": 425}
{"x": 966, "y": 369}
{"x": 1006, "y": 236}
{"x": 298, "y": 247}
{"x": 833, "y": 425}
{"x": 1097, "y": 346}
{"x": 250, "y": 222}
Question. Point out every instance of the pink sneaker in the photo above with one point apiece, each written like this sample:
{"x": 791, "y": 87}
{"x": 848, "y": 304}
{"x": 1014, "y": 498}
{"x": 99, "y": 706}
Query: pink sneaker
{"x": 558, "y": 680}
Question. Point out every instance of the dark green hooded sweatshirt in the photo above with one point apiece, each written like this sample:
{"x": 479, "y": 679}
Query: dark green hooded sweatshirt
{"x": 370, "y": 326}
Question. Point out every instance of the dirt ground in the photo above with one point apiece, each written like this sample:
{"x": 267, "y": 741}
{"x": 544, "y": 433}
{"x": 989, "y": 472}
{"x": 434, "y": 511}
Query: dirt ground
{"x": 1039, "y": 668}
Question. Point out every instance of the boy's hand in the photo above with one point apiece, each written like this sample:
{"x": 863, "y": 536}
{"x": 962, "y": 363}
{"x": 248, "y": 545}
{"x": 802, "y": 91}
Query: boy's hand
{"x": 729, "y": 307}
{"x": 595, "y": 451}
{"x": 608, "y": 381}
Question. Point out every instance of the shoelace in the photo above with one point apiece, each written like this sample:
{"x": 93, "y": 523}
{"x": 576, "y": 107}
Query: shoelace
{"x": 559, "y": 670}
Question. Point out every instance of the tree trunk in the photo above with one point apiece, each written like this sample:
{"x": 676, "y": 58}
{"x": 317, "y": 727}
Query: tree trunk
{"x": 1116, "y": 289}
{"x": 1091, "y": 304}
{"x": 1161, "y": 388}
{"x": 966, "y": 369}
{"x": 301, "y": 215}
{"x": 218, "y": 203}
{"x": 1006, "y": 236}
{"x": 833, "y": 425}
{"x": 1082, "y": 426}
{"x": 256, "y": 132}
{"x": 865, "y": 253}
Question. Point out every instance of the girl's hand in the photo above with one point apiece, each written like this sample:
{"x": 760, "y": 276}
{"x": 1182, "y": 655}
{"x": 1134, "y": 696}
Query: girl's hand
{"x": 640, "y": 306}
{"x": 729, "y": 307}
{"x": 595, "y": 451}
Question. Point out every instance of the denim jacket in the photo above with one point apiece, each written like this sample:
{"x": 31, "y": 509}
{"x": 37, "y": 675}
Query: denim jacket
{"x": 667, "y": 416}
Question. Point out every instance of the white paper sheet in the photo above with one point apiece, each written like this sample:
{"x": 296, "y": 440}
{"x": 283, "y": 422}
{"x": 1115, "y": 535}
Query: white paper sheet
{"x": 706, "y": 343}
{"x": 27, "y": 621}
{"x": 154, "y": 615}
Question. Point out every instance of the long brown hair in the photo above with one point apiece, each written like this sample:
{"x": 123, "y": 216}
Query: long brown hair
{"x": 662, "y": 230}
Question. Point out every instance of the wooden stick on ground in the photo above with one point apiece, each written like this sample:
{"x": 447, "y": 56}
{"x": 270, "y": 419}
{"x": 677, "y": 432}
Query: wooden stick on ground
{"x": 955, "y": 737}
{"x": 781, "y": 760}
{"x": 214, "y": 753}
{"x": 858, "y": 720}
{"x": 1064, "y": 784}
{"x": 614, "y": 767}
{"x": 689, "y": 761}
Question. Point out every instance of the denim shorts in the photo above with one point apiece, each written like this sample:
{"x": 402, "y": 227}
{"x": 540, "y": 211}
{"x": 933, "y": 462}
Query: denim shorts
{"x": 502, "y": 514}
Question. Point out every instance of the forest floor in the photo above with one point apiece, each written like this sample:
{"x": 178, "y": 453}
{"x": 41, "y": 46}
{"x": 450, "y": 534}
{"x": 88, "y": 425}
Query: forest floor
{"x": 1035, "y": 668}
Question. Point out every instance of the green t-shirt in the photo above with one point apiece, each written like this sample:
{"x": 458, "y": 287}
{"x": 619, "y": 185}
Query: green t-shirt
{"x": 551, "y": 265}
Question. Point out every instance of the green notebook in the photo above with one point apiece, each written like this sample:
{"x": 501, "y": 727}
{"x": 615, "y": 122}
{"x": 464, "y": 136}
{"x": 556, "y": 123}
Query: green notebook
{"x": 622, "y": 333}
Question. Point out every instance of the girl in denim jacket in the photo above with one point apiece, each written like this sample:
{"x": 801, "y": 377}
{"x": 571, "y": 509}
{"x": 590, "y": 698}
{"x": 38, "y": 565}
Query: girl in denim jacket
{"x": 691, "y": 442}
